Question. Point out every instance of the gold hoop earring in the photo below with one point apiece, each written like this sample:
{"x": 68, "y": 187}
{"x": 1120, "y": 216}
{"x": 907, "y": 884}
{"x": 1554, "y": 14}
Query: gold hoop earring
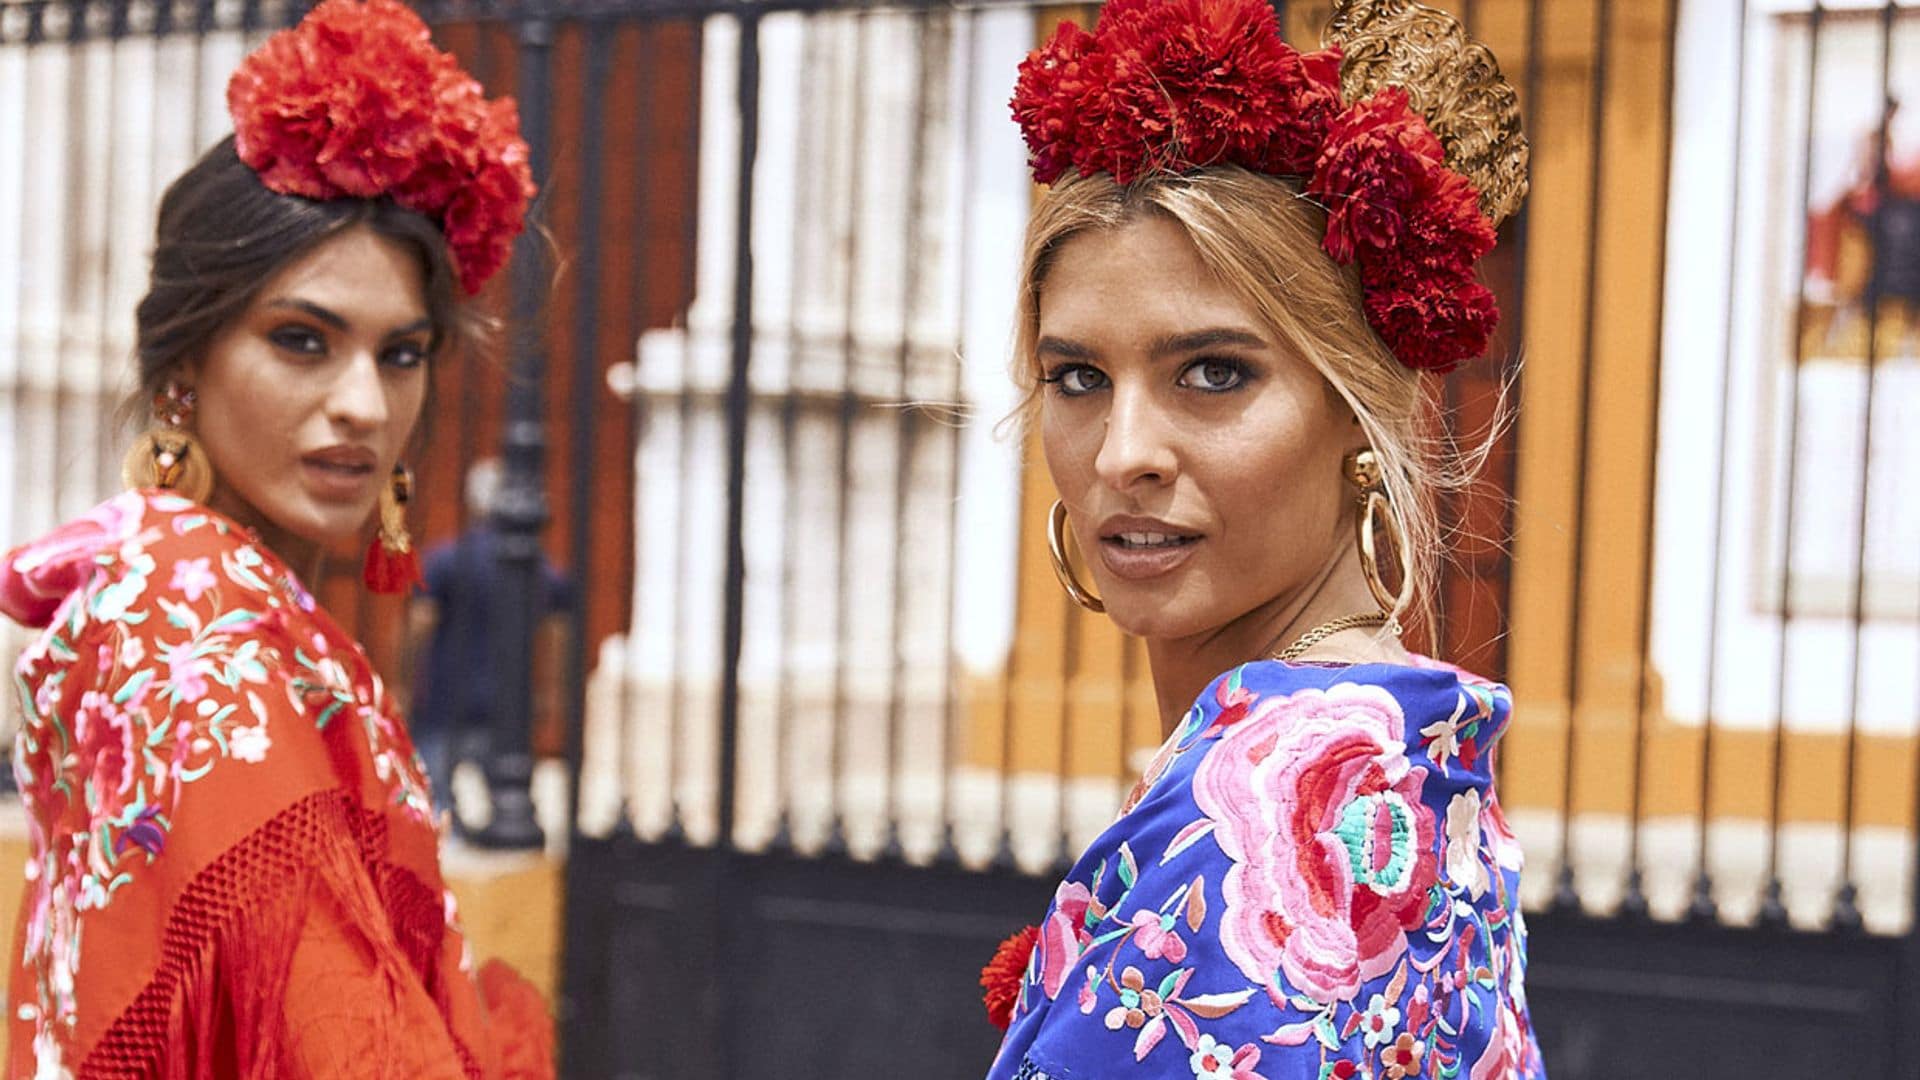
{"x": 166, "y": 455}
{"x": 1363, "y": 472}
{"x": 1062, "y": 569}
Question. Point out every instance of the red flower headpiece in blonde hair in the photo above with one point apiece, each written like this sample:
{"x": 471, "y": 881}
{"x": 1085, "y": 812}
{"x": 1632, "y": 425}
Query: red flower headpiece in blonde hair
{"x": 355, "y": 102}
{"x": 1170, "y": 86}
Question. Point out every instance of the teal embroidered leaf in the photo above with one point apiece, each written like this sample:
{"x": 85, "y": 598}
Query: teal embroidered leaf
{"x": 1129, "y": 870}
{"x": 1165, "y": 989}
{"x": 232, "y": 618}
{"x": 133, "y": 686}
{"x": 1323, "y": 1030}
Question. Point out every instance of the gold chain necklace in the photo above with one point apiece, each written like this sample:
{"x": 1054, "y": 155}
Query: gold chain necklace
{"x": 1327, "y": 629}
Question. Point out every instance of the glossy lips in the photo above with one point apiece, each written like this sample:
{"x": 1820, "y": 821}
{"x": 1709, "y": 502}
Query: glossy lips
{"x": 1139, "y": 548}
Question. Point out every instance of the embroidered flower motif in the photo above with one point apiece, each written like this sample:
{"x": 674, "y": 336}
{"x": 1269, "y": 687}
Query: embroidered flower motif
{"x": 1137, "y": 1003}
{"x": 1063, "y": 937}
{"x": 1157, "y": 938}
{"x": 112, "y": 603}
{"x": 104, "y": 736}
{"x": 1212, "y": 1060}
{"x": 249, "y": 744}
{"x": 186, "y": 672}
{"x": 1339, "y": 1070}
{"x": 1443, "y": 740}
{"x": 1379, "y": 1020}
{"x": 1318, "y": 809}
{"x": 1090, "y": 991}
{"x": 1465, "y": 868}
{"x": 1402, "y": 1059}
{"x": 193, "y": 577}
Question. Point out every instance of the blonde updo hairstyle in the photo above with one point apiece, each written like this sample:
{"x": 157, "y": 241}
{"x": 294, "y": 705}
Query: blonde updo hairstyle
{"x": 1261, "y": 238}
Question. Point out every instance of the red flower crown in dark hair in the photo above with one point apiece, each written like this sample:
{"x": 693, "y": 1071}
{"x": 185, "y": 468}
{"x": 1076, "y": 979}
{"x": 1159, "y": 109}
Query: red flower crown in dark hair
{"x": 1170, "y": 86}
{"x": 356, "y": 102}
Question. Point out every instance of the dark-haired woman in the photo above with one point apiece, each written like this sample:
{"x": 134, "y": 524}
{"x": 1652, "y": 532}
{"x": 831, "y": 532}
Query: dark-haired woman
{"x": 234, "y": 867}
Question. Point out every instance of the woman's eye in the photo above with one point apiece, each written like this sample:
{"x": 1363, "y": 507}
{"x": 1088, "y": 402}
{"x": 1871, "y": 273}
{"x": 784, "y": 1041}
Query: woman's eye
{"x": 408, "y": 355}
{"x": 298, "y": 339}
{"x": 1213, "y": 376}
{"x": 1075, "y": 379}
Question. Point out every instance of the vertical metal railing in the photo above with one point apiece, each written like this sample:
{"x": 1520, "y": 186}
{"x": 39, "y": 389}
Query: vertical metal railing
{"x": 522, "y": 512}
{"x": 1846, "y": 902}
{"x": 1566, "y": 894}
{"x": 1702, "y": 906}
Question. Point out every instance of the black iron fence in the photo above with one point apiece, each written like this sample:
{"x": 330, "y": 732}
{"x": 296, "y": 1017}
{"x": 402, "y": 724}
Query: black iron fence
{"x": 828, "y": 726}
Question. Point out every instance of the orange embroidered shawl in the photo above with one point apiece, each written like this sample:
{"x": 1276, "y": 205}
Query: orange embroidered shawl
{"x": 233, "y": 869}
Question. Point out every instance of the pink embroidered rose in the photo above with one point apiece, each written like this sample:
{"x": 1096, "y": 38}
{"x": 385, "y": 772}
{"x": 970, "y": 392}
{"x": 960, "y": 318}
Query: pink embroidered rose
{"x": 1063, "y": 937}
{"x": 104, "y": 736}
{"x": 1316, "y": 805}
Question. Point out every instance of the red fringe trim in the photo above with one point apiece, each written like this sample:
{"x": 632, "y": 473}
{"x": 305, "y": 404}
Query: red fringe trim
{"x": 213, "y": 1007}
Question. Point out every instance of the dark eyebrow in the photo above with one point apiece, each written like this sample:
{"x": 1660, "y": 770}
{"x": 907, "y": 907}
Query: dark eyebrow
{"x": 1212, "y": 338}
{"x": 334, "y": 320}
{"x": 1071, "y": 350}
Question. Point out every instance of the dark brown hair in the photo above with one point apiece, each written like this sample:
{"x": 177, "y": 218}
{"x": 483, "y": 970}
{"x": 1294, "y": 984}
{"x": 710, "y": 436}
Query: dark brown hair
{"x": 223, "y": 234}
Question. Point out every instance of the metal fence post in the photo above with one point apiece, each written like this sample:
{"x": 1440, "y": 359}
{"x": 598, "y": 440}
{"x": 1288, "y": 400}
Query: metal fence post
{"x": 522, "y": 511}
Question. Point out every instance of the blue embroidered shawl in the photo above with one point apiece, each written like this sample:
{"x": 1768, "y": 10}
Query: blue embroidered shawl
{"x": 1313, "y": 880}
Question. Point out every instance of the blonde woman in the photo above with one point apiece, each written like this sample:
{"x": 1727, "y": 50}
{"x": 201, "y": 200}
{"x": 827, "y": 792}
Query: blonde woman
{"x": 1245, "y": 261}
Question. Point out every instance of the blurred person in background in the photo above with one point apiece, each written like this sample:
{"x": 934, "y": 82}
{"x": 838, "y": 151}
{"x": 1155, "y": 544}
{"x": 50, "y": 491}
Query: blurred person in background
{"x": 453, "y": 623}
{"x": 1247, "y": 264}
{"x": 233, "y": 865}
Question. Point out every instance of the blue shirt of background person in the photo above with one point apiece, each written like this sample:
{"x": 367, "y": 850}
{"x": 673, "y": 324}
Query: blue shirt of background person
{"x": 459, "y": 682}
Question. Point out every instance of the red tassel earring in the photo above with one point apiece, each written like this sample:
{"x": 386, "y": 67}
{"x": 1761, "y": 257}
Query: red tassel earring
{"x": 392, "y": 567}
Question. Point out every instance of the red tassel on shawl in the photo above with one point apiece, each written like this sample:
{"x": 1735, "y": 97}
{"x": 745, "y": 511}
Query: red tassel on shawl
{"x": 1002, "y": 976}
{"x": 391, "y": 570}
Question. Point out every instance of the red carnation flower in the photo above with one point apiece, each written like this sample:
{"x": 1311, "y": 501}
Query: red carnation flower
{"x": 1053, "y": 91}
{"x": 1445, "y": 229}
{"x": 1175, "y": 85}
{"x": 1002, "y": 976}
{"x": 1433, "y": 323}
{"x": 1378, "y": 158}
{"x": 1193, "y": 81}
{"x": 356, "y": 102}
